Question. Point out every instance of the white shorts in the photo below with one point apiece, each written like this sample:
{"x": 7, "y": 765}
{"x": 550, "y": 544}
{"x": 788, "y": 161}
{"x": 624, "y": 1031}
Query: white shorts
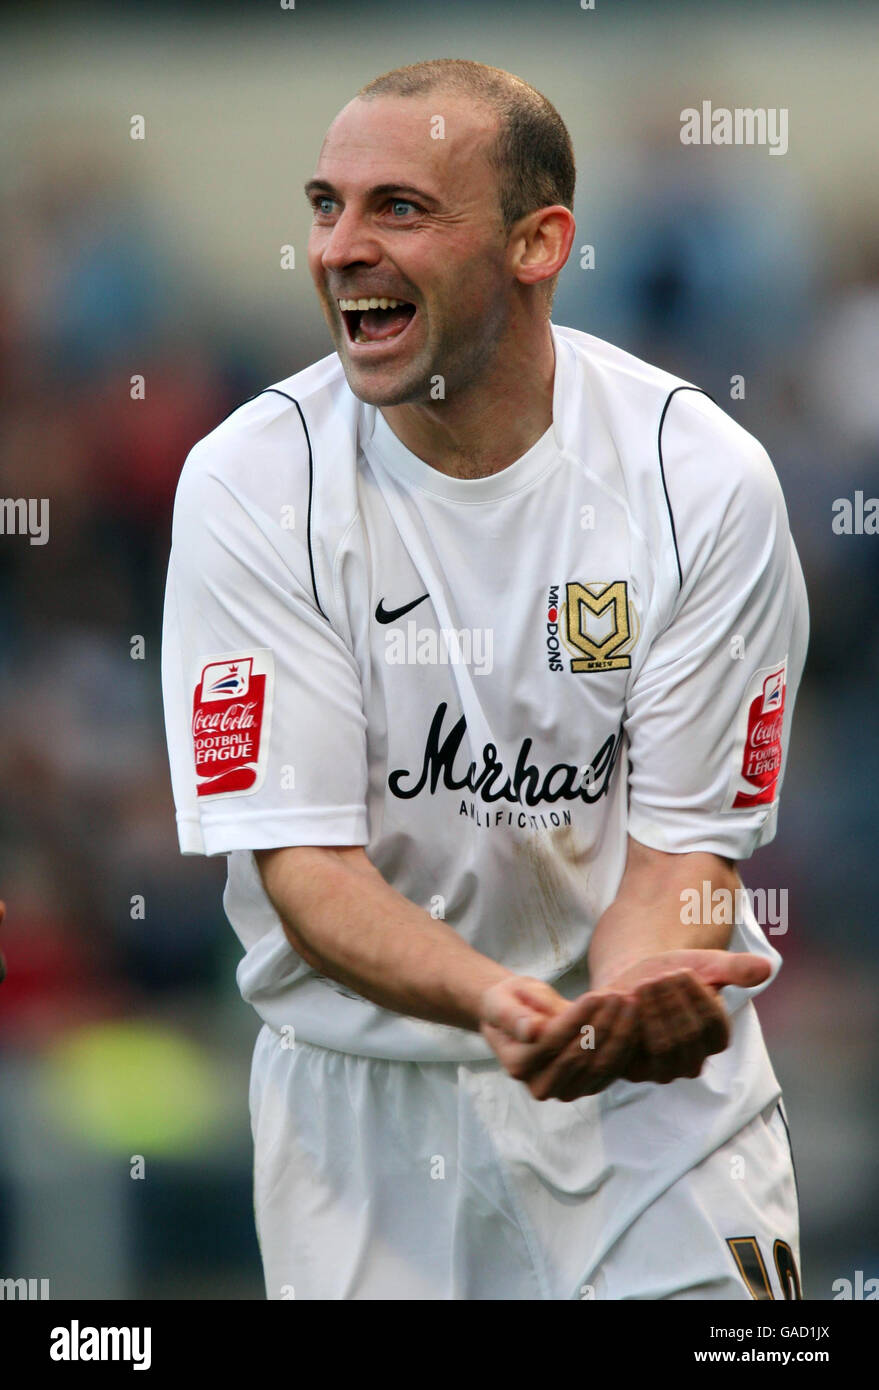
{"x": 401, "y": 1180}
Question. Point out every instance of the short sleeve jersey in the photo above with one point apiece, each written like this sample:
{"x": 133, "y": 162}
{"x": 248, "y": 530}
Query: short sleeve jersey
{"x": 488, "y": 683}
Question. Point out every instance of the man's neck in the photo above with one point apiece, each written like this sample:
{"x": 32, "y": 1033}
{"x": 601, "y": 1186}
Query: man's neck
{"x": 483, "y": 429}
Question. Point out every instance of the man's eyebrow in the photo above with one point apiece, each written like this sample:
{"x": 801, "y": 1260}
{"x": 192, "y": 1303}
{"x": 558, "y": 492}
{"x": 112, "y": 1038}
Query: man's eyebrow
{"x": 381, "y": 189}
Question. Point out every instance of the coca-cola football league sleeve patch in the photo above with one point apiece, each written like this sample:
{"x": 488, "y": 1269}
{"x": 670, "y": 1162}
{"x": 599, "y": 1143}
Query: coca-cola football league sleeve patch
{"x": 231, "y": 718}
{"x": 758, "y": 750}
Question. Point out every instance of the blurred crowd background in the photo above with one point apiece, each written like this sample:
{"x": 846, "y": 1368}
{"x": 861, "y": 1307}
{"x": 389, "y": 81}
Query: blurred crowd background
{"x": 122, "y": 1037}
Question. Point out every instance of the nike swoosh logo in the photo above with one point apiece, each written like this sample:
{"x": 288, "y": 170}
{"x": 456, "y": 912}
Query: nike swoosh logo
{"x": 386, "y": 615}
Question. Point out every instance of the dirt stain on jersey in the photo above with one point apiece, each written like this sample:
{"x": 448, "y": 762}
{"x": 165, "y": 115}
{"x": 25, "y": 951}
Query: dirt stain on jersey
{"x": 553, "y": 881}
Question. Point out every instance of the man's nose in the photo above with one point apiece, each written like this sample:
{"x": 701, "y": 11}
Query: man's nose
{"x": 349, "y": 241}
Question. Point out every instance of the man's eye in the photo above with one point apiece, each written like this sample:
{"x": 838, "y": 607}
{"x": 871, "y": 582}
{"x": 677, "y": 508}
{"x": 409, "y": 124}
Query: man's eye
{"x": 401, "y": 203}
{"x": 319, "y": 203}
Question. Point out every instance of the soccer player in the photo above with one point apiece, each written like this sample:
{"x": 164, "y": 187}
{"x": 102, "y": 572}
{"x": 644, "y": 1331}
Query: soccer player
{"x": 481, "y": 645}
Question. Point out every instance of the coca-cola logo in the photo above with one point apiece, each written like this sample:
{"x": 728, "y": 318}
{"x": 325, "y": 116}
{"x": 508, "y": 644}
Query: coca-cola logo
{"x": 229, "y": 741}
{"x": 232, "y": 717}
{"x": 766, "y": 731}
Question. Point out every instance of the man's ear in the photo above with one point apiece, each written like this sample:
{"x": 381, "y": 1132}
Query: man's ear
{"x": 540, "y": 244}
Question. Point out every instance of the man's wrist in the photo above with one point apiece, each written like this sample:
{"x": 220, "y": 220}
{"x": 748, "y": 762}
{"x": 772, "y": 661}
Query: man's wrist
{"x": 482, "y": 980}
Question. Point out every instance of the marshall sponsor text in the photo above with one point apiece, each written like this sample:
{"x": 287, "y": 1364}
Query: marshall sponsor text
{"x": 526, "y": 785}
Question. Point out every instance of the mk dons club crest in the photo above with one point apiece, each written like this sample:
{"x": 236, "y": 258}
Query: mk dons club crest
{"x": 595, "y": 622}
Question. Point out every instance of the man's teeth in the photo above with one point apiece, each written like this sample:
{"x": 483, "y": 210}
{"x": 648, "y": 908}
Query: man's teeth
{"x": 362, "y": 304}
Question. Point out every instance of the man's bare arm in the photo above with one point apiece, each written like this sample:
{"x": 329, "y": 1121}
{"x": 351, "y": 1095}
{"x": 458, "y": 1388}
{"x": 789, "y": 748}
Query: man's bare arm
{"x": 346, "y": 921}
{"x": 647, "y": 916}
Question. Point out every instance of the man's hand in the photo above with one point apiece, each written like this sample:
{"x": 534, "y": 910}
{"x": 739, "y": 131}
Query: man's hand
{"x": 683, "y": 1020}
{"x": 658, "y": 1020}
{"x": 539, "y": 1037}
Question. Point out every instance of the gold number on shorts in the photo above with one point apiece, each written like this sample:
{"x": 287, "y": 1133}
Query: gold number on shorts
{"x": 786, "y": 1266}
{"x": 752, "y": 1267}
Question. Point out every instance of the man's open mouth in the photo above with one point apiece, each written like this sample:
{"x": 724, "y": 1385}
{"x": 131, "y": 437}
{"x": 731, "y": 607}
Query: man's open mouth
{"x": 376, "y": 320}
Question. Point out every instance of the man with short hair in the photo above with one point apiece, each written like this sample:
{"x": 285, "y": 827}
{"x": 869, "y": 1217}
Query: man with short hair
{"x": 481, "y": 645}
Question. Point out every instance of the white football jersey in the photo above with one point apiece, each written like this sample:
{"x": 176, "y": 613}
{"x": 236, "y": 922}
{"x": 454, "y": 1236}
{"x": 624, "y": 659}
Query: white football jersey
{"x": 488, "y": 683}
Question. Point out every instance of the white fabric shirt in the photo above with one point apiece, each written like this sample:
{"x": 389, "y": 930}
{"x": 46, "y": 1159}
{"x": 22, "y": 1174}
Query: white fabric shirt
{"x": 631, "y": 629}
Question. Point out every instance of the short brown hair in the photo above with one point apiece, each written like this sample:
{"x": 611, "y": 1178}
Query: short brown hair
{"x": 532, "y": 155}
